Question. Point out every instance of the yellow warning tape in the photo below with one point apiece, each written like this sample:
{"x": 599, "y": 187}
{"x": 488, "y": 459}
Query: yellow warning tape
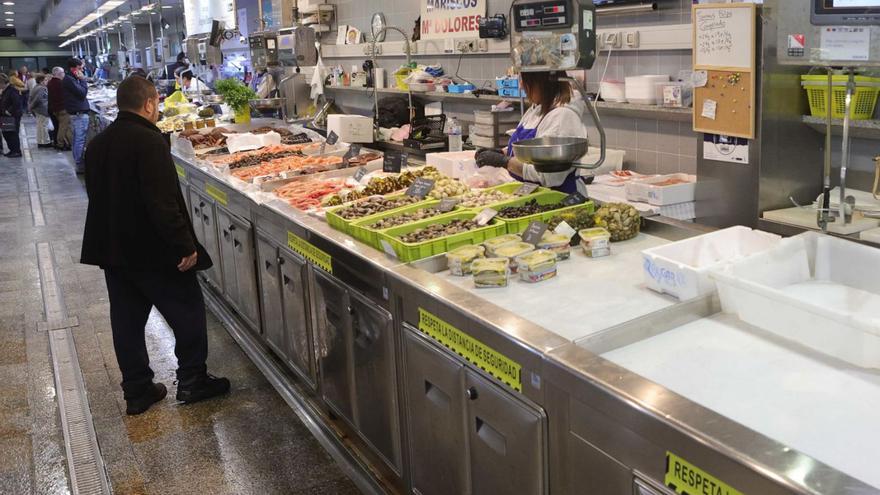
{"x": 216, "y": 193}
{"x": 687, "y": 479}
{"x": 308, "y": 251}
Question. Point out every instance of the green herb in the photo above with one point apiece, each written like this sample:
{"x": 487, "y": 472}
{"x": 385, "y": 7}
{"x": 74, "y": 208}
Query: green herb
{"x": 235, "y": 94}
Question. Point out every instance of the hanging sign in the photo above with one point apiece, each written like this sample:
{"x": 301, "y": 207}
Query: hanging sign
{"x": 200, "y": 14}
{"x": 451, "y": 18}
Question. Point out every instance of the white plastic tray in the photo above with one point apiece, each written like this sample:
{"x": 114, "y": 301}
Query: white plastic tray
{"x": 647, "y": 190}
{"x": 681, "y": 269}
{"x": 819, "y": 291}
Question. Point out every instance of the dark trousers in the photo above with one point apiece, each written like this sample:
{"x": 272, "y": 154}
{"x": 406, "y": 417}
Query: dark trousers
{"x": 54, "y": 132}
{"x": 12, "y": 139}
{"x": 178, "y": 297}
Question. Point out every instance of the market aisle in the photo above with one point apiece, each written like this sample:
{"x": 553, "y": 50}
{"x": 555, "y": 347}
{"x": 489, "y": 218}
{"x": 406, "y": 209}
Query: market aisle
{"x": 247, "y": 442}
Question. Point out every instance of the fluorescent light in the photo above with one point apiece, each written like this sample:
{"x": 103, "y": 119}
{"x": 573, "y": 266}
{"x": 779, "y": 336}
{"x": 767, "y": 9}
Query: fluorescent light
{"x": 89, "y": 18}
{"x": 9, "y": 20}
{"x": 9, "y": 13}
{"x": 168, "y": 6}
{"x": 8, "y": 3}
{"x": 10, "y": 25}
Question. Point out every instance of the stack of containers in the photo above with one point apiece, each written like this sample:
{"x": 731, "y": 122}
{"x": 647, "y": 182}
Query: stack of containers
{"x": 508, "y": 87}
{"x": 488, "y": 130}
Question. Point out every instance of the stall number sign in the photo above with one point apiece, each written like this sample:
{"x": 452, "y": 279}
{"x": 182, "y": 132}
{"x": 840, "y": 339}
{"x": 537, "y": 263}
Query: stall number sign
{"x": 217, "y": 194}
{"x": 308, "y": 251}
{"x": 180, "y": 171}
{"x": 420, "y": 187}
{"x": 491, "y": 361}
{"x": 686, "y": 479}
{"x": 394, "y": 161}
{"x": 451, "y": 18}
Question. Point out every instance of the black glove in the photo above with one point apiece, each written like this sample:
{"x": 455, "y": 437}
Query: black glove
{"x": 491, "y": 158}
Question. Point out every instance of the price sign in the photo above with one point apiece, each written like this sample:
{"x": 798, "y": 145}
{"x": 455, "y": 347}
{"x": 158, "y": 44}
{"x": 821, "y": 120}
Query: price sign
{"x": 332, "y": 137}
{"x": 574, "y": 198}
{"x": 394, "y": 161}
{"x": 534, "y": 232}
{"x": 300, "y": 138}
{"x": 360, "y": 173}
{"x": 353, "y": 151}
{"x": 565, "y": 229}
{"x": 420, "y": 187}
{"x": 485, "y": 216}
{"x": 526, "y": 189}
{"x": 447, "y": 204}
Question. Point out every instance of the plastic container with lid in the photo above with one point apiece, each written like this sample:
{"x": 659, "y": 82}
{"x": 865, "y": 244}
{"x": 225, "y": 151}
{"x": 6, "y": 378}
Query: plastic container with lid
{"x": 596, "y": 242}
{"x": 490, "y": 272}
{"x": 496, "y": 242}
{"x": 512, "y": 251}
{"x": 537, "y": 265}
{"x": 461, "y": 258}
{"x": 558, "y": 243}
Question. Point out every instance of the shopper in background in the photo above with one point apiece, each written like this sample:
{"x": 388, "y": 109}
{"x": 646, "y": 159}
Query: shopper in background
{"x": 139, "y": 232}
{"x": 173, "y": 70}
{"x": 10, "y": 106}
{"x": 61, "y": 136}
{"x": 184, "y": 81}
{"x": 24, "y": 75}
{"x": 38, "y": 104}
{"x": 16, "y": 81}
{"x": 76, "y": 104}
{"x": 29, "y": 84}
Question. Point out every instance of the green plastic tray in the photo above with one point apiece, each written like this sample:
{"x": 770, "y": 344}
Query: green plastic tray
{"x": 361, "y": 230}
{"x": 517, "y": 225}
{"x": 410, "y": 252}
{"x": 509, "y": 188}
{"x": 343, "y": 225}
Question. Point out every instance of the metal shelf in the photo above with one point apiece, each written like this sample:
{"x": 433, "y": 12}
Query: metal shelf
{"x": 863, "y": 129}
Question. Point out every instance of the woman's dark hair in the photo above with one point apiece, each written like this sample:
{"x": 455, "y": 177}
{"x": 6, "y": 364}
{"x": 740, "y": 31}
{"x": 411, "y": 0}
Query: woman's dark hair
{"x": 546, "y": 90}
{"x": 181, "y": 56}
{"x": 39, "y": 78}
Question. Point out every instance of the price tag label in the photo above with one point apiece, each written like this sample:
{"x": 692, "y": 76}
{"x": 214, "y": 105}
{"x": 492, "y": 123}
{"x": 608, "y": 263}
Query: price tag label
{"x": 420, "y": 187}
{"x": 300, "y": 138}
{"x": 353, "y": 151}
{"x": 360, "y": 173}
{"x": 388, "y": 248}
{"x": 565, "y": 229}
{"x": 447, "y": 204}
{"x": 534, "y": 232}
{"x": 574, "y": 198}
{"x": 332, "y": 138}
{"x": 485, "y": 216}
{"x": 394, "y": 161}
{"x": 526, "y": 189}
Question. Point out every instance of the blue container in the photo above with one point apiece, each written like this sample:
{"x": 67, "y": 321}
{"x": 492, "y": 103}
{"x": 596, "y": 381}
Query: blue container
{"x": 506, "y": 82}
{"x": 510, "y": 92}
{"x": 460, "y": 88}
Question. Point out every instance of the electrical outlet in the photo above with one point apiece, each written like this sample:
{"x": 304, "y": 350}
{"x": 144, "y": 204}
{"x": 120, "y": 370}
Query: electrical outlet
{"x": 612, "y": 40}
{"x": 467, "y": 46}
{"x": 632, "y": 39}
{"x": 484, "y": 45}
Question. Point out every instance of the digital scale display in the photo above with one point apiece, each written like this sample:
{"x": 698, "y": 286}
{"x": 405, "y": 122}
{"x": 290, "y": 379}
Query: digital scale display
{"x": 827, "y": 12}
{"x": 539, "y": 15}
{"x": 848, "y": 4}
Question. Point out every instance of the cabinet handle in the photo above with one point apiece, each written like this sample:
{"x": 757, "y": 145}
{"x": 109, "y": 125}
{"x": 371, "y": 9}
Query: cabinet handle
{"x": 492, "y": 437}
{"x": 236, "y": 243}
{"x": 471, "y": 393}
{"x": 196, "y": 211}
{"x": 232, "y": 228}
{"x": 205, "y": 219}
{"x": 201, "y": 204}
{"x": 280, "y": 261}
{"x": 226, "y": 235}
{"x": 285, "y": 279}
{"x": 268, "y": 265}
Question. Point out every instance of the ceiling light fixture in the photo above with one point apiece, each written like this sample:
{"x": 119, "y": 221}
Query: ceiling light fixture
{"x": 9, "y": 20}
{"x": 8, "y": 3}
{"x": 10, "y": 25}
{"x": 168, "y": 6}
{"x": 89, "y": 18}
{"x": 9, "y": 13}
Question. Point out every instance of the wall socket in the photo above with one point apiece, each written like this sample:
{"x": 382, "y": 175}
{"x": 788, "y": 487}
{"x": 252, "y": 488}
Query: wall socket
{"x": 469, "y": 46}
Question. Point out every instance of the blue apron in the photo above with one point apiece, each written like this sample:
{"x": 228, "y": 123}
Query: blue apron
{"x": 568, "y": 186}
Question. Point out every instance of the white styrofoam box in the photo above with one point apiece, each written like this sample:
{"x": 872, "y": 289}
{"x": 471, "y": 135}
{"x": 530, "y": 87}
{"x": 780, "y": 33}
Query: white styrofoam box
{"x": 613, "y": 161}
{"x": 643, "y": 89}
{"x": 487, "y": 130}
{"x": 647, "y": 190}
{"x": 453, "y": 164}
{"x": 485, "y": 117}
{"x": 351, "y": 128}
{"x": 247, "y": 141}
{"x": 818, "y": 291}
{"x": 614, "y": 91}
{"x": 681, "y": 269}
{"x": 872, "y": 235}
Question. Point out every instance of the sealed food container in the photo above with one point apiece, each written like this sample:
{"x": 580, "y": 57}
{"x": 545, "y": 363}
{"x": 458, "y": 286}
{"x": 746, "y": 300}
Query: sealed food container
{"x": 558, "y": 243}
{"x": 512, "y": 251}
{"x": 461, "y": 258}
{"x": 496, "y": 242}
{"x": 537, "y": 265}
{"x": 490, "y": 272}
{"x": 595, "y": 241}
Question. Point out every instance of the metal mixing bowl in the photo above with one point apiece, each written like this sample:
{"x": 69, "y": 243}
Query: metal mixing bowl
{"x": 267, "y": 103}
{"x": 550, "y": 154}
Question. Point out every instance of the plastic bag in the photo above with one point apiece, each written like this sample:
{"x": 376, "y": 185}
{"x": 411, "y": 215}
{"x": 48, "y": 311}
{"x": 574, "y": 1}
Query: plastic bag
{"x": 487, "y": 177}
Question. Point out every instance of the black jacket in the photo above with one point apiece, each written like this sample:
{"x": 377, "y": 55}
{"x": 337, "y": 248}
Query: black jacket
{"x": 75, "y": 94}
{"x": 137, "y": 217}
{"x": 10, "y": 102}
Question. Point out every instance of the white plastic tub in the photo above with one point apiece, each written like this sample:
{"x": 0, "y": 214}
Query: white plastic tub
{"x": 651, "y": 191}
{"x": 681, "y": 269}
{"x": 818, "y": 291}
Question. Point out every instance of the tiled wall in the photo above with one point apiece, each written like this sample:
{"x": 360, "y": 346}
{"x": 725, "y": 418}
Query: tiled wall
{"x": 652, "y": 146}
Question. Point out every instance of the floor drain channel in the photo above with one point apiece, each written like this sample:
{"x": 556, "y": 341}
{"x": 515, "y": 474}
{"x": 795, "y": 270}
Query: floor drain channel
{"x": 85, "y": 464}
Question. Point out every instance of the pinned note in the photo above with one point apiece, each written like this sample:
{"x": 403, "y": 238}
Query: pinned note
{"x": 710, "y": 107}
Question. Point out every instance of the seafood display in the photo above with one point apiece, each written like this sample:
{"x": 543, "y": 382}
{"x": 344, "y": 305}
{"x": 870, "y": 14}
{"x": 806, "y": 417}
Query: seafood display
{"x": 404, "y": 218}
{"x": 306, "y": 194}
{"x": 299, "y": 164}
{"x": 621, "y": 220}
{"x": 371, "y": 206}
{"x": 475, "y": 199}
{"x": 445, "y": 187}
{"x": 531, "y": 207}
{"x": 436, "y": 230}
{"x": 213, "y": 139}
{"x": 383, "y": 185}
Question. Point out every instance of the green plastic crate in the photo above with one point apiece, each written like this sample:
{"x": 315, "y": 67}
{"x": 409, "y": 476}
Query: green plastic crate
{"x": 517, "y": 225}
{"x": 410, "y": 252}
{"x": 361, "y": 230}
{"x": 343, "y": 225}
{"x": 508, "y": 188}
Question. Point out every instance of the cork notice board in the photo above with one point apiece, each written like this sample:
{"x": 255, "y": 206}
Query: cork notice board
{"x": 724, "y": 47}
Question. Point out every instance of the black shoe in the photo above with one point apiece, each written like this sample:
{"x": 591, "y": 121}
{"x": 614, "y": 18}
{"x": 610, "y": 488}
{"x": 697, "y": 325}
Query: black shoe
{"x": 201, "y": 388}
{"x": 45, "y": 146}
{"x": 154, "y": 394}
{"x": 13, "y": 155}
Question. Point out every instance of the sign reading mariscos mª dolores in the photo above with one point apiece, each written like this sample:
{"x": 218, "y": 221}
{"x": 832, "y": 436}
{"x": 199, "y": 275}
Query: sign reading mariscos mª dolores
{"x": 451, "y": 18}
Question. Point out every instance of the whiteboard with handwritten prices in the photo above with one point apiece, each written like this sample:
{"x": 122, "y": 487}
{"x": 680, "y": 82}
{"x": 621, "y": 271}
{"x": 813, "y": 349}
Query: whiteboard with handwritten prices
{"x": 724, "y": 36}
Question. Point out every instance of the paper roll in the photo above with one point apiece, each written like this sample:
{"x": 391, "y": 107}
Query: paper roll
{"x": 379, "y": 77}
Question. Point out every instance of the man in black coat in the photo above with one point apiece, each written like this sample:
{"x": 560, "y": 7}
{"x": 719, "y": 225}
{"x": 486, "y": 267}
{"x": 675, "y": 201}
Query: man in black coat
{"x": 139, "y": 232}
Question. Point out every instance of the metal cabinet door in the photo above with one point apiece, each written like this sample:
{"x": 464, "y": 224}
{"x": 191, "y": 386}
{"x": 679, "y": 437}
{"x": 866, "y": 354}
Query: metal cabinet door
{"x": 333, "y": 337}
{"x": 196, "y": 205}
{"x": 296, "y": 323}
{"x": 270, "y": 297}
{"x": 506, "y": 439}
{"x": 211, "y": 241}
{"x": 375, "y": 388}
{"x": 435, "y": 411}
{"x": 226, "y": 261}
{"x": 245, "y": 277}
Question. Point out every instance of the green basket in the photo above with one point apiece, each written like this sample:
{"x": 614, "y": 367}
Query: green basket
{"x": 361, "y": 230}
{"x": 517, "y": 225}
{"x": 411, "y": 252}
{"x": 863, "y": 101}
{"x": 509, "y": 188}
{"x": 343, "y": 225}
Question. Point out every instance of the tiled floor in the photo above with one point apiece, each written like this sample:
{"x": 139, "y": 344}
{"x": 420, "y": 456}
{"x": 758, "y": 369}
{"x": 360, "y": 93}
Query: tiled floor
{"x": 248, "y": 442}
